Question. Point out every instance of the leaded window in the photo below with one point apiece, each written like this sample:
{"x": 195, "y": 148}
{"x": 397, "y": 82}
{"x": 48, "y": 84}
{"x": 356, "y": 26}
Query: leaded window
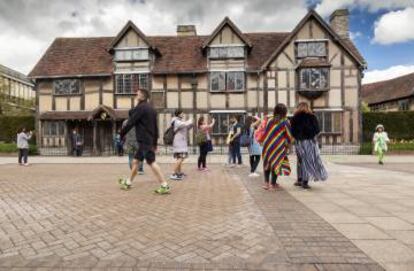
{"x": 227, "y": 52}
{"x": 222, "y": 125}
{"x": 66, "y": 86}
{"x": 227, "y": 81}
{"x": 53, "y": 128}
{"x": 329, "y": 122}
{"x": 311, "y": 49}
{"x": 129, "y": 83}
{"x": 314, "y": 79}
{"x": 131, "y": 54}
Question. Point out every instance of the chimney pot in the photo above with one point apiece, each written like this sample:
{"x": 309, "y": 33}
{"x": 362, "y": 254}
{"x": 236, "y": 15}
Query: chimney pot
{"x": 186, "y": 30}
{"x": 339, "y": 21}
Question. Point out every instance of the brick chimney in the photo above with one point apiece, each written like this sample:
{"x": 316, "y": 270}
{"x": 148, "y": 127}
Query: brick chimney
{"x": 186, "y": 30}
{"x": 340, "y": 22}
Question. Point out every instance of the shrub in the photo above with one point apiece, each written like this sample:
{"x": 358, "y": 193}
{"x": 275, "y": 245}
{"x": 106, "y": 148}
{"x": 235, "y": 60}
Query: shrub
{"x": 9, "y": 125}
{"x": 399, "y": 125}
{"x": 12, "y": 148}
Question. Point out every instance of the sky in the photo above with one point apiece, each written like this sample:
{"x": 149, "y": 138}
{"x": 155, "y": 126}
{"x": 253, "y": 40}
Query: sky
{"x": 382, "y": 29}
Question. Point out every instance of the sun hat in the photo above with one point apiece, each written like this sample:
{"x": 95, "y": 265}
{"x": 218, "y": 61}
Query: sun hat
{"x": 379, "y": 126}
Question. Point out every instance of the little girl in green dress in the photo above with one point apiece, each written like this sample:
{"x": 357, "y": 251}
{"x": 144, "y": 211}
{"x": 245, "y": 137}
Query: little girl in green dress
{"x": 380, "y": 141}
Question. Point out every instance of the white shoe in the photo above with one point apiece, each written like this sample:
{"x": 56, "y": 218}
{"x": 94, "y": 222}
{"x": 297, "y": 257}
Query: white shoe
{"x": 251, "y": 175}
{"x": 255, "y": 174}
{"x": 27, "y": 164}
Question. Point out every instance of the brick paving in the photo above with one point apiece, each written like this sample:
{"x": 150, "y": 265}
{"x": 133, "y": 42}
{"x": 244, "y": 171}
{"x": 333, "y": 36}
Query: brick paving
{"x": 75, "y": 217}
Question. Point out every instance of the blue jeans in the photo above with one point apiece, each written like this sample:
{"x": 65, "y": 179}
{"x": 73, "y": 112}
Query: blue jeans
{"x": 235, "y": 153}
{"x": 130, "y": 158}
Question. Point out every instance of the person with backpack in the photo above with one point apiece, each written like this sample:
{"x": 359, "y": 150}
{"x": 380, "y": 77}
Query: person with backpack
{"x": 276, "y": 142}
{"x": 255, "y": 150}
{"x": 235, "y": 141}
{"x": 144, "y": 118}
{"x": 203, "y": 139}
{"x": 180, "y": 143}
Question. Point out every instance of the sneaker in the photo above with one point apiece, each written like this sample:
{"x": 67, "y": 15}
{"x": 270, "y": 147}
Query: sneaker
{"x": 204, "y": 169}
{"x": 163, "y": 190}
{"x": 26, "y": 164}
{"x": 298, "y": 183}
{"x": 306, "y": 186}
{"x": 176, "y": 177}
{"x": 254, "y": 175}
{"x": 123, "y": 183}
{"x": 140, "y": 172}
{"x": 381, "y": 163}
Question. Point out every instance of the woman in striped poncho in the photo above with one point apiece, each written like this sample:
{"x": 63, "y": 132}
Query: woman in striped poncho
{"x": 277, "y": 138}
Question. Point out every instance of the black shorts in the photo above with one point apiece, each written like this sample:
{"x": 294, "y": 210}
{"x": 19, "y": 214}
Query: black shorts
{"x": 145, "y": 153}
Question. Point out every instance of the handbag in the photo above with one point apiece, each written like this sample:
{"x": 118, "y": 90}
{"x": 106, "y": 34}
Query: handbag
{"x": 209, "y": 146}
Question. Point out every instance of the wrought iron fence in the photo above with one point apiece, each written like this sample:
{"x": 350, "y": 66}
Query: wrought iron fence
{"x": 342, "y": 149}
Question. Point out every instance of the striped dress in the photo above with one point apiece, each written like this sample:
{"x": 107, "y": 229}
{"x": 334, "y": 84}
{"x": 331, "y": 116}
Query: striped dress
{"x": 276, "y": 142}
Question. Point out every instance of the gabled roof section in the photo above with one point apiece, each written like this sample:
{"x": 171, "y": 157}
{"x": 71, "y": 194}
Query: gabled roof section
{"x": 129, "y": 25}
{"x": 344, "y": 43}
{"x": 393, "y": 89}
{"x": 227, "y": 22}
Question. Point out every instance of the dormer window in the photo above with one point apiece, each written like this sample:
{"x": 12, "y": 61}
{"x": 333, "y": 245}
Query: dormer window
{"x": 311, "y": 49}
{"x": 131, "y": 54}
{"x": 226, "y": 52}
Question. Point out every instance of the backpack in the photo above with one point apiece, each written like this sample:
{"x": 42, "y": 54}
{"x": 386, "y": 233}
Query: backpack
{"x": 169, "y": 135}
{"x": 200, "y": 137}
{"x": 260, "y": 131}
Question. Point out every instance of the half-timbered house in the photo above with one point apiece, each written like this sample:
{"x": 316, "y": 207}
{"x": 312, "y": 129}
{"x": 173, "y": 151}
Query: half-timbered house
{"x": 89, "y": 83}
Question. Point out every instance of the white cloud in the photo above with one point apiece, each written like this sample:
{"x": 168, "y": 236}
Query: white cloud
{"x": 24, "y": 38}
{"x": 390, "y": 73}
{"x": 326, "y": 7}
{"x": 395, "y": 27}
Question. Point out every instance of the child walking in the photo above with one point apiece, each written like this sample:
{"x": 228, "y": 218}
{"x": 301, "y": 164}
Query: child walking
{"x": 380, "y": 141}
{"x": 277, "y": 138}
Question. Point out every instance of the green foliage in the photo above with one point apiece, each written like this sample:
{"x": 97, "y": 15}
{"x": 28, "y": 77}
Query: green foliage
{"x": 12, "y": 148}
{"x": 9, "y": 125}
{"x": 365, "y": 108}
{"x": 394, "y": 147}
{"x": 398, "y": 125}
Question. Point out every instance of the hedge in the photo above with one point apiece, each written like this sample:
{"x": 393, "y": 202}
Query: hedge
{"x": 398, "y": 125}
{"x": 9, "y": 125}
{"x": 396, "y": 147}
{"x": 12, "y": 148}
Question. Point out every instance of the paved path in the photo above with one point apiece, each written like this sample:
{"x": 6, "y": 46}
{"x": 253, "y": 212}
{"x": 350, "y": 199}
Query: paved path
{"x": 371, "y": 205}
{"x": 73, "y": 216}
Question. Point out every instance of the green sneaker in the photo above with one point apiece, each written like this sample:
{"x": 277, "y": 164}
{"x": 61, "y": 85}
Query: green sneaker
{"x": 122, "y": 183}
{"x": 163, "y": 190}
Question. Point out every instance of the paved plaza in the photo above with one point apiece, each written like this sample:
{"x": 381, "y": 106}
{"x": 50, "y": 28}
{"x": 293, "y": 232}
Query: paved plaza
{"x": 69, "y": 214}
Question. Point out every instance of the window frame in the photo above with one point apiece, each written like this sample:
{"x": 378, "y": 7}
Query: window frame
{"x": 227, "y": 53}
{"x": 131, "y": 50}
{"x": 218, "y": 116}
{"x": 300, "y": 78}
{"x": 78, "y": 85}
{"x": 239, "y": 75}
{"x": 307, "y": 42}
{"x": 57, "y": 126}
{"x": 321, "y": 115}
{"x": 131, "y": 86}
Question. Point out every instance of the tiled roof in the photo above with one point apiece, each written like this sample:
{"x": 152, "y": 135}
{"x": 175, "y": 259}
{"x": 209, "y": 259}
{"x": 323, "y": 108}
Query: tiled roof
{"x": 388, "y": 90}
{"x": 89, "y": 56}
{"x": 14, "y": 74}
